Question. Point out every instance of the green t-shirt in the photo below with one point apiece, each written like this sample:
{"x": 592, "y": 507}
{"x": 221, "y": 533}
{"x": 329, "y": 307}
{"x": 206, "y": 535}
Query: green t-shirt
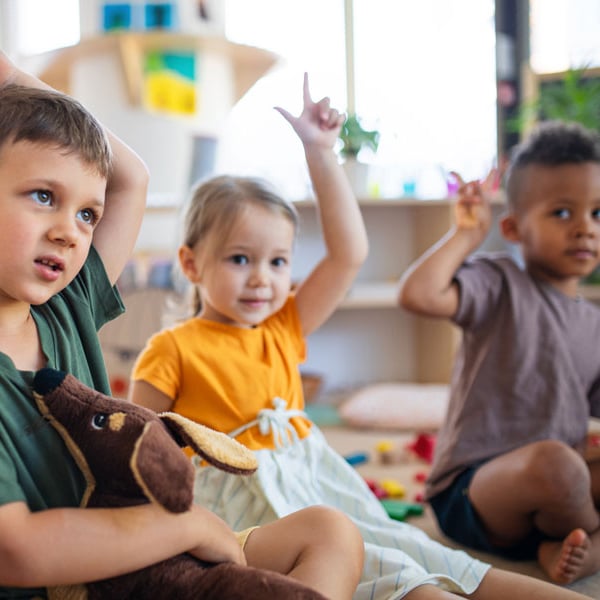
{"x": 35, "y": 465}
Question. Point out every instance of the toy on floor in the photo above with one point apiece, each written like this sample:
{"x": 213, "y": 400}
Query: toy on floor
{"x": 376, "y": 488}
{"x": 393, "y": 488}
{"x": 387, "y": 452}
{"x": 420, "y": 476}
{"x": 423, "y": 446}
{"x": 129, "y": 455}
{"x": 357, "y": 458}
{"x": 400, "y": 510}
{"x": 390, "y": 489}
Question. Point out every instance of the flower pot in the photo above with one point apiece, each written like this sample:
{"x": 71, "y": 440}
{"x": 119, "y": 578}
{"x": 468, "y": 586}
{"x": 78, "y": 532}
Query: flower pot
{"x": 358, "y": 176}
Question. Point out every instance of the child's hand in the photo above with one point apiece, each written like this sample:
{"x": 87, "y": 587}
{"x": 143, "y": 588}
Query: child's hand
{"x": 473, "y": 206}
{"x": 218, "y": 543}
{"x": 8, "y": 71}
{"x": 318, "y": 124}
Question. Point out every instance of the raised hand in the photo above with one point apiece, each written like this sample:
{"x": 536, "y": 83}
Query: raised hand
{"x": 473, "y": 205}
{"x": 8, "y": 71}
{"x": 318, "y": 123}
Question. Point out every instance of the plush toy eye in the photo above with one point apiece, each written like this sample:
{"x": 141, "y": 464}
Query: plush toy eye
{"x": 99, "y": 421}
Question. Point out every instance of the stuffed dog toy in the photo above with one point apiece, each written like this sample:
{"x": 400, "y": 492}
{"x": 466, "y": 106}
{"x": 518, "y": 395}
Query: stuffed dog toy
{"x": 129, "y": 455}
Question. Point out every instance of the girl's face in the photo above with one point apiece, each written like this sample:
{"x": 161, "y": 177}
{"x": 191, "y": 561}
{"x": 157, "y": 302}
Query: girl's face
{"x": 247, "y": 277}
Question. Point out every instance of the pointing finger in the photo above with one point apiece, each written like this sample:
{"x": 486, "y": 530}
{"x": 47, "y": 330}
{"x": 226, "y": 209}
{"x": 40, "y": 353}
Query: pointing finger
{"x": 458, "y": 178}
{"x": 306, "y": 90}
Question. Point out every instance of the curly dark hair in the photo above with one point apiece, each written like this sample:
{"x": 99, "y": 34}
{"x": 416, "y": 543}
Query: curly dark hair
{"x": 552, "y": 143}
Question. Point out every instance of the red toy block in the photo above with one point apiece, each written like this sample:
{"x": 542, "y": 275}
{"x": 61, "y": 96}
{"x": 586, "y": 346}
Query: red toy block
{"x": 423, "y": 446}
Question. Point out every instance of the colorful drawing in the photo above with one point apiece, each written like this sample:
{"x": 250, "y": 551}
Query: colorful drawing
{"x": 116, "y": 16}
{"x": 170, "y": 82}
{"x": 160, "y": 15}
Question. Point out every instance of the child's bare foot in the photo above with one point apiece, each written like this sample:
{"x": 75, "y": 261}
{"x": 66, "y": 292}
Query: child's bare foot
{"x": 569, "y": 560}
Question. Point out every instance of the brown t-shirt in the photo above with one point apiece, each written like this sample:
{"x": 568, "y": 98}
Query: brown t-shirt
{"x": 528, "y": 367}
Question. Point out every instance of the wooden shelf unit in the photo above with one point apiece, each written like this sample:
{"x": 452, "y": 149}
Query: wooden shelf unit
{"x": 369, "y": 338}
{"x": 248, "y": 62}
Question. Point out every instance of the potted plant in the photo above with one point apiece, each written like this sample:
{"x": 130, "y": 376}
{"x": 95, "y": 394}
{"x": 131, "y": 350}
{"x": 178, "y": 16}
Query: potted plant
{"x": 354, "y": 138}
{"x": 573, "y": 97}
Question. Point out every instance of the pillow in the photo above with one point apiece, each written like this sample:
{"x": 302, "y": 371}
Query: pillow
{"x": 401, "y": 406}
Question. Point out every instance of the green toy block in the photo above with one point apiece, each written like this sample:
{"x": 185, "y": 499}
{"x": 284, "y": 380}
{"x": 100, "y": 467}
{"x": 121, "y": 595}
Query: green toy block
{"x": 400, "y": 510}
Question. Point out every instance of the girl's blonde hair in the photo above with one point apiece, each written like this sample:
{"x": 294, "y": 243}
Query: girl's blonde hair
{"x": 214, "y": 207}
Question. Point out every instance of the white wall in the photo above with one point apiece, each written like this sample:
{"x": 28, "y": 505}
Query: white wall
{"x": 164, "y": 142}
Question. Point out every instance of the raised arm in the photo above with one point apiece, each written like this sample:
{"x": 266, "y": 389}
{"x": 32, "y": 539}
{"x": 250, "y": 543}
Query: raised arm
{"x": 126, "y": 189}
{"x": 427, "y": 286}
{"x": 126, "y": 192}
{"x": 66, "y": 546}
{"x": 343, "y": 229}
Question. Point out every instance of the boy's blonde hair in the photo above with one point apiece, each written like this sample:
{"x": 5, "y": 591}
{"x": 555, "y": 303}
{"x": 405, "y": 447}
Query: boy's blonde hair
{"x": 216, "y": 205}
{"x": 48, "y": 117}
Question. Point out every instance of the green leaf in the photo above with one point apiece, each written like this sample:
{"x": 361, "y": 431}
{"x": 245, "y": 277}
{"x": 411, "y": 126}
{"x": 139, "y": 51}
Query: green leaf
{"x": 354, "y": 137}
{"x": 576, "y": 97}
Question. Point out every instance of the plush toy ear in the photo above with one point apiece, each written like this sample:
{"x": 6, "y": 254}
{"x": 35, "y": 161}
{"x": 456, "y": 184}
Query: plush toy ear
{"x": 152, "y": 459}
{"x": 215, "y": 447}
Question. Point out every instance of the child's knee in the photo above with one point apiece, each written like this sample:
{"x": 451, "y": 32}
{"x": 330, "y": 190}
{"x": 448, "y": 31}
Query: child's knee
{"x": 337, "y": 530}
{"x": 558, "y": 468}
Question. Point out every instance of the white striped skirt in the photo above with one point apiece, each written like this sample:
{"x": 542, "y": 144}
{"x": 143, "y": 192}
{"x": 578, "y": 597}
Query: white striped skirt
{"x": 398, "y": 556}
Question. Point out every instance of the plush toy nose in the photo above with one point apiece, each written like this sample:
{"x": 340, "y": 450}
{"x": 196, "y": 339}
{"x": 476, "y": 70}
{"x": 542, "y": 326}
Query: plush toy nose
{"x": 46, "y": 380}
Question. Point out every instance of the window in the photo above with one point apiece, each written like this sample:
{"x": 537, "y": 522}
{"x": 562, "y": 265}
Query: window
{"x": 565, "y": 36}
{"x": 425, "y": 77}
{"x": 44, "y": 25}
{"x": 258, "y": 141}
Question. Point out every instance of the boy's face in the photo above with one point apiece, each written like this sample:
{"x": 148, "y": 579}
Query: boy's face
{"x": 558, "y": 222}
{"x": 50, "y": 203}
{"x": 249, "y": 277}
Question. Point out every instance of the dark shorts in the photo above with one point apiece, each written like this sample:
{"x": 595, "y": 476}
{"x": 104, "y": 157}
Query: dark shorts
{"x": 458, "y": 520}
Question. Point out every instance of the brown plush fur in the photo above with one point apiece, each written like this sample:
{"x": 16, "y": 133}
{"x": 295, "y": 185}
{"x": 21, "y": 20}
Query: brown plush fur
{"x": 129, "y": 456}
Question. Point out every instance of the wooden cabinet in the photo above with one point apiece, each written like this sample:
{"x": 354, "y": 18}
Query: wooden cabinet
{"x": 369, "y": 338}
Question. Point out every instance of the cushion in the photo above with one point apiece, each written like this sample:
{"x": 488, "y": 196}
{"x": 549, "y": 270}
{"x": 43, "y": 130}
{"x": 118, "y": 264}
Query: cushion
{"x": 398, "y": 406}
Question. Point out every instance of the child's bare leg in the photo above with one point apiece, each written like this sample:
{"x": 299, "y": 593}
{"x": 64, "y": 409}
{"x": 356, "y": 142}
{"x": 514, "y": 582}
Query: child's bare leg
{"x": 577, "y": 554}
{"x": 430, "y": 592}
{"x": 544, "y": 485}
{"x": 318, "y": 546}
{"x": 499, "y": 584}
{"x": 594, "y": 469}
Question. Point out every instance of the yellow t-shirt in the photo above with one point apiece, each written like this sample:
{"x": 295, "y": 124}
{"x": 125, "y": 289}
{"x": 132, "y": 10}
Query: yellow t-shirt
{"x": 221, "y": 376}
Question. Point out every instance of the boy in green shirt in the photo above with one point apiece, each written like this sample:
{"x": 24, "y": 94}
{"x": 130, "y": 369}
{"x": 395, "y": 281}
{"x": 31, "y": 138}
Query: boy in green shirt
{"x": 72, "y": 198}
